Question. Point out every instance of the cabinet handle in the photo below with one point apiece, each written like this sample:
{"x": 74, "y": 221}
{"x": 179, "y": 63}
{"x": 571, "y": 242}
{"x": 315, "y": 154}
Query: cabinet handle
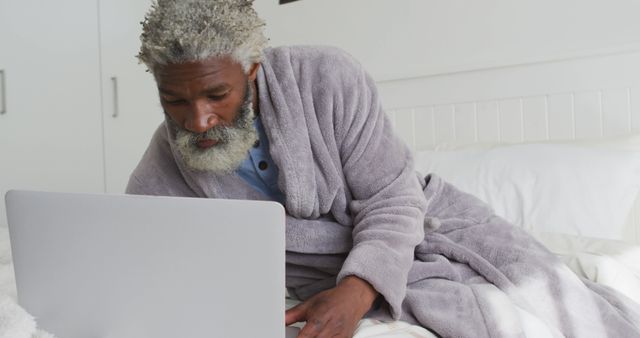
{"x": 3, "y": 92}
{"x": 116, "y": 110}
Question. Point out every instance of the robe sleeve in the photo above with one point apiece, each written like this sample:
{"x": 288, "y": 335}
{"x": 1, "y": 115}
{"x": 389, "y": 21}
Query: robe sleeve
{"x": 388, "y": 204}
{"x": 157, "y": 173}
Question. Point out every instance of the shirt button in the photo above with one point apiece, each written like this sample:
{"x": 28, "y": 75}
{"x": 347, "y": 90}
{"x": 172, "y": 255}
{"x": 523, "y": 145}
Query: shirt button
{"x": 263, "y": 165}
{"x": 257, "y": 144}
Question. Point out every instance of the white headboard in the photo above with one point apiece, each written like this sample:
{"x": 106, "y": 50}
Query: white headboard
{"x": 585, "y": 98}
{"x": 581, "y": 98}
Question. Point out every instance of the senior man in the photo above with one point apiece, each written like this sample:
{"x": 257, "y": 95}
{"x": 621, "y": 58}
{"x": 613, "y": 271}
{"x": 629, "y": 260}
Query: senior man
{"x": 304, "y": 126}
{"x": 301, "y": 126}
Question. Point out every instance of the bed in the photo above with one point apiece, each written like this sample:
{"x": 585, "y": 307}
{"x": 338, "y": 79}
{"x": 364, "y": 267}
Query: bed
{"x": 530, "y": 138}
{"x": 566, "y": 130}
{"x": 526, "y": 139}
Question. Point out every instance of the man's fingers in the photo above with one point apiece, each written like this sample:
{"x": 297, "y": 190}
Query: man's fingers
{"x": 312, "y": 328}
{"x": 295, "y": 314}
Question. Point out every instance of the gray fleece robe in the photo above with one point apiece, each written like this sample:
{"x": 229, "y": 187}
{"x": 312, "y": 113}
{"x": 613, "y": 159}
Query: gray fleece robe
{"x": 341, "y": 168}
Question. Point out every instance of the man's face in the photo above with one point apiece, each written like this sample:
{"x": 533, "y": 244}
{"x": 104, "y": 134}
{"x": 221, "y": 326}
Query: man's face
{"x": 210, "y": 103}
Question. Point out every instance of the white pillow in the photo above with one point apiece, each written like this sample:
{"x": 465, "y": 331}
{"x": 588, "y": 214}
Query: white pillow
{"x": 579, "y": 188}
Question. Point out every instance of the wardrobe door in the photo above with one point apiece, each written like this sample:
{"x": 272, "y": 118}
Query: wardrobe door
{"x": 50, "y": 126}
{"x": 4, "y": 118}
{"x": 131, "y": 106}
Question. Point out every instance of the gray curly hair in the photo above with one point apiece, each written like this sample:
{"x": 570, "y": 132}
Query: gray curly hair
{"x": 178, "y": 31}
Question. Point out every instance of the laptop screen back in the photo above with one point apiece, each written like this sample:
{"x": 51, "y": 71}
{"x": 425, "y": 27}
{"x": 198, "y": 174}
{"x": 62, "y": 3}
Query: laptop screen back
{"x": 140, "y": 266}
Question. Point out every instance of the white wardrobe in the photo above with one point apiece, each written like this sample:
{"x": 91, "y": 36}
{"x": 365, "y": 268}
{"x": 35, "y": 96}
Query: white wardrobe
{"x": 130, "y": 104}
{"x": 76, "y": 108}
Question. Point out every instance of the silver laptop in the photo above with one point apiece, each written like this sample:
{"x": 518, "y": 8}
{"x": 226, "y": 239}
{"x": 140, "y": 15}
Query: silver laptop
{"x": 122, "y": 266}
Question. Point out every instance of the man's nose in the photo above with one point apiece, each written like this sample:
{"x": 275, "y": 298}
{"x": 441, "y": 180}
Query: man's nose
{"x": 201, "y": 119}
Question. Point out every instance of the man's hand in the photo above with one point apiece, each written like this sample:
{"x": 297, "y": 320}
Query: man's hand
{"x": 335, "y": 312}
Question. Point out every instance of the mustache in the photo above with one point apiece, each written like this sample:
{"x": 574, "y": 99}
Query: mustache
{"x": 219, "y": 133}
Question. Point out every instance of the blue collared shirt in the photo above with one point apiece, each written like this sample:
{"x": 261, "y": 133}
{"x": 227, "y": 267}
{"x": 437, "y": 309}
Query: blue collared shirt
{"x": 258, "y": 169}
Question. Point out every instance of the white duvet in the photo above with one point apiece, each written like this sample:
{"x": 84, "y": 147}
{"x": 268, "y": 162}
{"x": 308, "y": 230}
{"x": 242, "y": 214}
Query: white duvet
{"x": 611, "y": 263}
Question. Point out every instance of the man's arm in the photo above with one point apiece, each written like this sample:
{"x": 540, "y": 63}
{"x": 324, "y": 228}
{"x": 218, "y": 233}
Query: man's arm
{"x": 387, "y": 207}
{"x": 388, "y": 203}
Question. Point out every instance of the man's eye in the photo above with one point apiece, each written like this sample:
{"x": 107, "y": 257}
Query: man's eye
{"x": 217, "y": 97}
{"x": 175, "y": 102}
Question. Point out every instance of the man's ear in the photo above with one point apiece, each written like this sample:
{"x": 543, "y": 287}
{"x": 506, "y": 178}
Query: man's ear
{"x": 253, "y": 71}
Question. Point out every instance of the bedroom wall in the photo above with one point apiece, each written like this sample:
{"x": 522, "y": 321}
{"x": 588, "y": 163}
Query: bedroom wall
{"x": 409, "y": 38}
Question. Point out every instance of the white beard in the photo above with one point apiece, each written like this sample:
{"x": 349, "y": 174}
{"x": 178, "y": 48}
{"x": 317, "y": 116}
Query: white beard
{"x": 233, "y": 144}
